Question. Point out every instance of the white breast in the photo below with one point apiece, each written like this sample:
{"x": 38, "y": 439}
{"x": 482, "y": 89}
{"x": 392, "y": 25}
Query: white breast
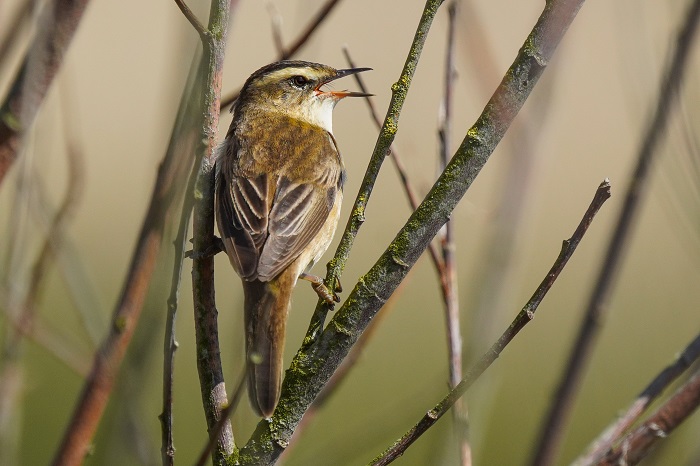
{"x": 320, "y": 112}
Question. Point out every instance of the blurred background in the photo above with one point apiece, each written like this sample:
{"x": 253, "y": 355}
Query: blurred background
{"x": 115, "y": 100}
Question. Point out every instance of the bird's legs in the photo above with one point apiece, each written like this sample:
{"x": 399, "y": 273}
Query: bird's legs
{"x": 321, "y": 289}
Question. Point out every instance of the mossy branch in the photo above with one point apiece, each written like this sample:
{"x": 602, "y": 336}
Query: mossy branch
{"x": 387, "y": 133}
{"x": 323, "y": 351}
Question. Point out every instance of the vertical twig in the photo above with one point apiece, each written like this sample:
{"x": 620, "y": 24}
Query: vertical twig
{"x": 448, "y": 273}
{"x": 524, "y": 317}
{"x": 57, "y": 24}
{"x": 211, "y": 378}
{"x": 552, "y": 431}
{"x": 170, "y": 344}
{"x": 182, "y": 140}
{"x": 413, "y": 200}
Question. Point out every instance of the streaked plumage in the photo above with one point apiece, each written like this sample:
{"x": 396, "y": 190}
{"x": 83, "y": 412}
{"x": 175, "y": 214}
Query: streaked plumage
{"x": 278, "y": 195}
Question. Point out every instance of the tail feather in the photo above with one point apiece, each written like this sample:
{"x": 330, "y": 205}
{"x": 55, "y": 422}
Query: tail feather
{"x": 266, "y": 309}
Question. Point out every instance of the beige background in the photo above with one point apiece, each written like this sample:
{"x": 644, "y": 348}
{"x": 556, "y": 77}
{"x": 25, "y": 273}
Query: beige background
{"x": 118, "y": 93}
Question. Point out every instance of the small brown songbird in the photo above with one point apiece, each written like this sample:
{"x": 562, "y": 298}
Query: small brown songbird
{"x": 278, "y": 193}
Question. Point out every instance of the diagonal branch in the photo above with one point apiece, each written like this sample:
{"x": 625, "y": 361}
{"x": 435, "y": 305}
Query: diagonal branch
{"x": 192, "y": 18}
{"x": 57, "y": 24}
{"x": 399, "y": 91}
{"x": 316, "y": 361}
{"x": 524, "y": 317}
{"x": 670, "y": 415}
{"x": 667, "y": 376}
{"x": 553, "y": 428}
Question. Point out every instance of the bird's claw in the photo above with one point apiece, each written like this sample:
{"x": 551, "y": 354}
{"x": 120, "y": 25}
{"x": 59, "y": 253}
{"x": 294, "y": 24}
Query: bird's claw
{"x": 213, "y": 249}
{"x": 323, "y": 292}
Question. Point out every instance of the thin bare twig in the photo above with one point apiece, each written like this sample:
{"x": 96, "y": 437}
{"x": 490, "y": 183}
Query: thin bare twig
{"x": 413, "y": 199}
{"x": 553, "y": 428}
{"x": 523, "y": 318}
{"x": 170, "y": 344}
{"x": 635, "y": 446}
{"x": 288, "y": 52}
{"x": 449, "y": 270}
{"x": 611, "y": 434}
{"x": 57, "y": 24}
{"x": 192, "y": 18}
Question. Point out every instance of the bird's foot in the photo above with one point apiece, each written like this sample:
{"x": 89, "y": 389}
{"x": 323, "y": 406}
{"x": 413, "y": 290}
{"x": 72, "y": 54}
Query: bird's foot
{"x": 321, "y": 289}
{"x": 216, "y": 246}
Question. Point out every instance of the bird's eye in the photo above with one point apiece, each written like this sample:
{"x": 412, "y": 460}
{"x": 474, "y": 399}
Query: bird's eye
{"x": 299, "y": 81}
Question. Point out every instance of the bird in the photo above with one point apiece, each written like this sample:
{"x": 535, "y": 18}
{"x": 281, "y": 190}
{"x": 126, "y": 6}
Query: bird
{"x": 278, "y": 193}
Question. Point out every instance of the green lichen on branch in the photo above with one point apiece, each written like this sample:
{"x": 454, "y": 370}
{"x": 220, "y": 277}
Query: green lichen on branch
{"x": 387, "y": 133}
{"x": 322, "y": 353}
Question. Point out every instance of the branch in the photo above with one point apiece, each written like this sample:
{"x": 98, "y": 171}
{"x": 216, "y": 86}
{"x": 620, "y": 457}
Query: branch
{"x": 170, "y": 344}
{"x": 211, "y": 379}
{"x": 171, "y": 175}
{"x": 448, "y": 273}
{"x": 57, "y": 24}
{"x": 670, "y": 415}
{"x": 192, "y": 18}
{"x": 603, "y": 443}
{"x": 316, "y": 361}
{"x": 341, "y": 373}
{"x": 523, "y": 318}
{"x": 386, "y": 137}
{"x": 411, "y": 195}
{"x": 223, "y": 423}
{"x": 553, "y": 430}
{"x": 287, "y": 53}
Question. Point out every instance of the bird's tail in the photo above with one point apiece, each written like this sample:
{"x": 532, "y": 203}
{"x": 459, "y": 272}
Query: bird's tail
{"x": 266, "y": 309}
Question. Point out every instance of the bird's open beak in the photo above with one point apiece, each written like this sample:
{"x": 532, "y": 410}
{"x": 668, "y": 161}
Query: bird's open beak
{"x": 342, "y": 94}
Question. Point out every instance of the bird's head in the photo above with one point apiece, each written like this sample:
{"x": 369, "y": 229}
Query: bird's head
{"x": 296, "y": 88}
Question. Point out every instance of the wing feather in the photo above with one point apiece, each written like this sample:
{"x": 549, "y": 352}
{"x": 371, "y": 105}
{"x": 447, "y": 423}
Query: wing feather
{"x": 272, "y": 202}
{"x": 298, "y": 213}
